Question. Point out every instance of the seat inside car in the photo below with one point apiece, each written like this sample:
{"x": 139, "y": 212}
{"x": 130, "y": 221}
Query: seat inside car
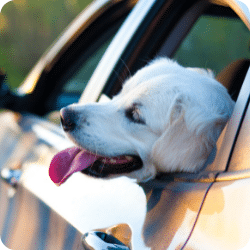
{"x": 233, "y": 75}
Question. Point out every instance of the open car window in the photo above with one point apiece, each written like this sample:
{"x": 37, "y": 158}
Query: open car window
{"x": 215, "y": 38}
{"x": 78, "y": 73}
{"x": 218, "y": 38}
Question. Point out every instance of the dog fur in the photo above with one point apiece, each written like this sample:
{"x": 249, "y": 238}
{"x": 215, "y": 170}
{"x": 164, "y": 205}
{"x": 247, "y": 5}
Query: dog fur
{"x": 169, "y": 115}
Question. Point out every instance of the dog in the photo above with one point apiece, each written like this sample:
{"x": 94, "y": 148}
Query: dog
{"x": 167, "y": 118}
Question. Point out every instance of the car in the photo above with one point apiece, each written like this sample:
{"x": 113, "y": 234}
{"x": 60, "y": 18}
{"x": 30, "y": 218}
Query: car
{"x": 104, "y": 45}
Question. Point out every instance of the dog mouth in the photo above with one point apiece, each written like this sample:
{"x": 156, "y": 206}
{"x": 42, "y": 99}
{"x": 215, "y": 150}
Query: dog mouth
{"x": 75, "y": 159}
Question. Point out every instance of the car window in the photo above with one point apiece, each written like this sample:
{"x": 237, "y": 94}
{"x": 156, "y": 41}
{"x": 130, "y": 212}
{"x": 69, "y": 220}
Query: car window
{"x": 83, "y": 72}
{"x": 78, "y": 75}
{"x": 214, "y": 42}
{"x": 76, "y": 65}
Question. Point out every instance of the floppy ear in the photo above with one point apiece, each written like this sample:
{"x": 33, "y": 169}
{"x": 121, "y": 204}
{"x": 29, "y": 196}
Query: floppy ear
{"x": 189, "y": 137}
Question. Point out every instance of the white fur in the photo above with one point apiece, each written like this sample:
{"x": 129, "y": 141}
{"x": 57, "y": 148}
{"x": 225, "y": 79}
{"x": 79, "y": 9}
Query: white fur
{"x": 184, "y": 111}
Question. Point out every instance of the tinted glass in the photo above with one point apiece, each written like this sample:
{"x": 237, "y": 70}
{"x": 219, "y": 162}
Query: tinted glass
{"x": 214, "y": 42}
{"x": 77, "y": 75}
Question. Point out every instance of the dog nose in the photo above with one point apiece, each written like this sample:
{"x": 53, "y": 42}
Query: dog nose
{"x": 68, "y": 119}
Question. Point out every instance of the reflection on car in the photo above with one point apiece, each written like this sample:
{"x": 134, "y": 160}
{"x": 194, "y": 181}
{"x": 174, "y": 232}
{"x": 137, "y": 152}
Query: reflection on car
{"x": 106, "y": 43}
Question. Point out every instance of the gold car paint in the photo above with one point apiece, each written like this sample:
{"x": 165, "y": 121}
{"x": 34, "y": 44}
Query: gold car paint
{"x": 224, "y": 221}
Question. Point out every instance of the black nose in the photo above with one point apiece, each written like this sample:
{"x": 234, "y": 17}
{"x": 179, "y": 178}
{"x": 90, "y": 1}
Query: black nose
{"x": 68, "y": 119}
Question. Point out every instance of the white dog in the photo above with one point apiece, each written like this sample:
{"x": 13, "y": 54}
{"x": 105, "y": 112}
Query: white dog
{"x": 166, "y": 116}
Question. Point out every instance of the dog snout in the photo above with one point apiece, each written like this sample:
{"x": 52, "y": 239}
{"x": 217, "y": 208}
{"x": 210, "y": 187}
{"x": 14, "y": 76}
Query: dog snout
{"x": 68, "y": 119}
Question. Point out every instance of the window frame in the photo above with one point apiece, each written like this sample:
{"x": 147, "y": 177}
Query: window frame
{"x": 41, "y": 85}
{"x": 138, "y": 45}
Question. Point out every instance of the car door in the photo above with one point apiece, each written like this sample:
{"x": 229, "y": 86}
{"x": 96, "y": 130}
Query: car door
{"x": 223, "y": 220}
{"x": 224, "y": 217}
{"x": 29, "y": 217}
{"x": 164, "y": 211}
{"x": 177, "y": 200}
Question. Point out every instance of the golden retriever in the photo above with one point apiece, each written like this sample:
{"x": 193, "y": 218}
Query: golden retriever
{"x": 166, "y": 118}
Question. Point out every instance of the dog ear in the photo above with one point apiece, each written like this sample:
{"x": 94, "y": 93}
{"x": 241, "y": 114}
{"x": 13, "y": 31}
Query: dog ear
{"x": 189, "y": 137}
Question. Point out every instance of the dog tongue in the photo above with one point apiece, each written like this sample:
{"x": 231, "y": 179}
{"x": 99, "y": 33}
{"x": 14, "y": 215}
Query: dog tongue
{"x": 69, "y": 161}
{"x": 72, "y": 160}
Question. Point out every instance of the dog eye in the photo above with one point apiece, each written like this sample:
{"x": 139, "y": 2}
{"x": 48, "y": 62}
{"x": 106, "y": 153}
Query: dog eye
{"x": 133, "y": 114}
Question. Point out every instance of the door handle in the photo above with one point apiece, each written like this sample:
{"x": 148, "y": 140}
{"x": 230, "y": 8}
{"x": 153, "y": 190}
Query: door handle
{"x": 97, "y": 240}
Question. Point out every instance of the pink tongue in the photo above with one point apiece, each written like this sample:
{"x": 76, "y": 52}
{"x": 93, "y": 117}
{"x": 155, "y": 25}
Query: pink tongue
{"x": 69, "y": 161}
{"x": 72, "y": 160}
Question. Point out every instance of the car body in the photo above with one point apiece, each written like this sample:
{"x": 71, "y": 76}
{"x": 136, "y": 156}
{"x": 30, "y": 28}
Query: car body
{"x": 104, "y": 45}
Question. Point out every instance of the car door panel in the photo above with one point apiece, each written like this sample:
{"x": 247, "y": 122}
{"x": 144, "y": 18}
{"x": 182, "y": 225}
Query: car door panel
{"x": 28, "y": 213}
{"x": 172, "y": 209}
{"x": 37, "y": 212}
{"x": 240, "y": 155}
{"x": 26, "y": 222}
{"x": 171, "y": 212}
{"x": 31, "y": 224}
{"x": 224, "y": 219}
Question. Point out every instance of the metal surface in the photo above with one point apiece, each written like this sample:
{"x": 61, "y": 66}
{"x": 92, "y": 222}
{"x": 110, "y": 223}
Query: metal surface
{"x": 233, "y": 175}
{"x": 86, "y": 203}
{"x": 96, "y": 240}
{"x": 30, "y": 224}
{"x": 114, "y": 52}
{"x": 241, "y": 155}
{"x": 227, "y": 138}
{"x": 166, "y": 213}
{"x": 224, "y": 221}
{"x": 10, "y": 176}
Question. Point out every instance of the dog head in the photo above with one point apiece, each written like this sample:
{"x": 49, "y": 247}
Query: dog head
{"x": 166, "y": 118}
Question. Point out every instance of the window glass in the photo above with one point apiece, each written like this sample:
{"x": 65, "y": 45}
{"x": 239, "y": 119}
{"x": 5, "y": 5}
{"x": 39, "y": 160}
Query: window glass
{"x": 214, "y": 42}
{"x": 78, "y": 74}
{"x": 76, "y": 80}
{"x": 82, "y": 74}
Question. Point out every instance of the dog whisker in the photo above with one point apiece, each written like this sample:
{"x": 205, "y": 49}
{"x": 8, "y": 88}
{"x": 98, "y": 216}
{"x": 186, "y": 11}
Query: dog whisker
{"x": 120, "y": 78}
{"x": 126, "y": 66}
